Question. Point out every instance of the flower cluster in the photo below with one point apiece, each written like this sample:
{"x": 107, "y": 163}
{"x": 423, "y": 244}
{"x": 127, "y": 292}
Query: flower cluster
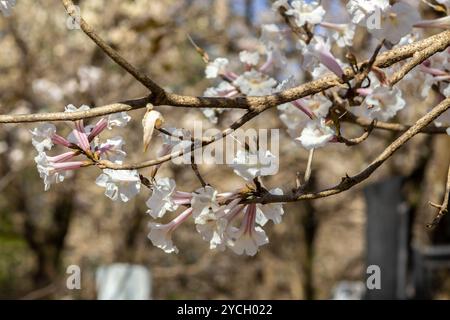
{"x": 83, "y": 142}
{"x": 220, "y": 218}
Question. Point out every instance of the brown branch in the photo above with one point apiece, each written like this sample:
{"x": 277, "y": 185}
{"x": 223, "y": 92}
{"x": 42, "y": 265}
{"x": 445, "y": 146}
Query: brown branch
{"x": 261, "y": 103}
{"x": 396, "y": 127}
{"x": 416, "y": 59}
{"x": 443, "y": 208}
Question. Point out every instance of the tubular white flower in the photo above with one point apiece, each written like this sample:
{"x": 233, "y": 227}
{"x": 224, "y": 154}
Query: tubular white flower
{"x": 316, "y": 134}
{"x": 161, "y": 199}
{"x": 319, "y": 51}
{"x": 247, "y": 238}
{"x": 383, "y": 103}
{"x": 293, "y": 118}
{"x": 72, "y": 108}
{"x": 203, "y": 201}
{"x": 272, "y": 211}
{"x": 81, "y": 135}
{"x": 224, "y": 89}
{"x": 112, "y": 150}
{"x": 319, "y": 105}
{"x": 213, "y": 227}
{"x": 342, "y": 34}
{"x": 98, "y": 128}
{"x": 161, "y": 234}
{"x": 53, "y": 169}
{"x": 120, "y": 185}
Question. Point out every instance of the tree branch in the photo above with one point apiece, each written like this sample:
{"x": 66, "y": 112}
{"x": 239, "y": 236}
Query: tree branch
{"x": 261, "y": 103}
{"x": 443, "y": 208}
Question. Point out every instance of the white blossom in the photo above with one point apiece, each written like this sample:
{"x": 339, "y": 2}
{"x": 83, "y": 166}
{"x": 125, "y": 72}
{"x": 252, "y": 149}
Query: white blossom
{"x": 72, "y": 108}
{"x": 316, "y": 134}
{"x": 361, "y": 10}
{"x": 161, "y": 234}
{"x": 161, "y": 199}
{"x": 54, "y": 169}
{"x": 47, "y": 172}
{"x": 42, "y": 136}
{"x": 319, "y": 51}
{"x": 383, "y": 103}
{"x": 247, "y": 238}
{"x": 224, "y": 89}
{"x": 342, "y": 34}
{"x": 272, "y": 211}
{"x": 120, "y": 185}
{"x": 216, "y": 68}
{"x": 214, "y": 231}
{"x": 203, "y": 201}
{"x": 255, "y": 83}
{"x": 249, "y": 58}
{"x": 306, "y": 12}
{"x": 112, "y": 150}
{"x": 319, "y": 105}
{"x": 119, "y": 119}
{"x": 293, "y": 118}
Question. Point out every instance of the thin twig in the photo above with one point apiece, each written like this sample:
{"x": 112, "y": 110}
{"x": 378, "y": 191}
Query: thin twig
{"x": 396, "y": 127}
{"x": 416, "y": 59}
{"x": 352, "y": 142}
{"x": 443, "y": 208}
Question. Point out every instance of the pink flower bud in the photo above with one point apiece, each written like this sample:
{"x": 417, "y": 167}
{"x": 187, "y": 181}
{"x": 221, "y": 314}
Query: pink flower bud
{"x": 62, "y": 157}
{"x": 63, "y": 166}
{"x": 57, "y": 139}
{"x": 99, "y": 127}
